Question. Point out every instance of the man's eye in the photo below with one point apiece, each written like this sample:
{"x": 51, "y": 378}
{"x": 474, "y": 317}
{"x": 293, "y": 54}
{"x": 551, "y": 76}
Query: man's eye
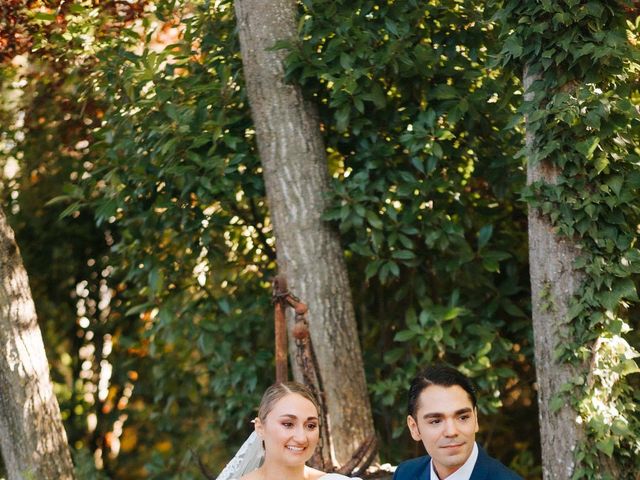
{"x": 464, "y": 417}
{"x": 435, "y": 421}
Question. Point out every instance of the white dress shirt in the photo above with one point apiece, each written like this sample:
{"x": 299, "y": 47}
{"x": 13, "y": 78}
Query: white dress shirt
{"x": 464, "y": 472}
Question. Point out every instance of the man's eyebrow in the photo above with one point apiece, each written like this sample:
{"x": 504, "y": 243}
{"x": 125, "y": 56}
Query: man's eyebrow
{"x": 440, "y": 415}
{"x": 433, "y": 415}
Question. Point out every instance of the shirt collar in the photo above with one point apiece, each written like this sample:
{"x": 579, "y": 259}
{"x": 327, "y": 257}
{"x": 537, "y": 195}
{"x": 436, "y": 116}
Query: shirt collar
{"x": 464, "y": 472}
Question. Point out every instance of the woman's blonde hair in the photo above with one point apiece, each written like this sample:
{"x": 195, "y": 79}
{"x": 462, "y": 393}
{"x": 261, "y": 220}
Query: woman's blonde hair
{"x": 278, "y": 390}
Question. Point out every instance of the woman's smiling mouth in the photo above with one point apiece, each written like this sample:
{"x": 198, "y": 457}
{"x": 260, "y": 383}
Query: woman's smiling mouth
{"x": 295, "y": 449}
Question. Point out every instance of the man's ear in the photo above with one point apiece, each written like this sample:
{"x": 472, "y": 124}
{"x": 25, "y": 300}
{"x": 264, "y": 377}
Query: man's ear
{"x": 475, "y": 413}
{"x": 413, "y": 428}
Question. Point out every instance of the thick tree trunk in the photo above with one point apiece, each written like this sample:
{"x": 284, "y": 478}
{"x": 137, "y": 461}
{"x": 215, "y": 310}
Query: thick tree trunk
{"x": 32, "y": 438}
{"x": 308, "y": 251}
{"x": 554, "y": 281}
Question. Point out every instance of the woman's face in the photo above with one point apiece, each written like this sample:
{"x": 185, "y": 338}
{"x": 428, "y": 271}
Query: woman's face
{"x": 290, "y": 431}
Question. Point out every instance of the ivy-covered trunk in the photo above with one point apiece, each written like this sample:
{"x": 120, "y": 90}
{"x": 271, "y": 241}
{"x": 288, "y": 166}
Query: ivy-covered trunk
{"x": 554, "y": 281}
{"x": 32, "y": 438}
{"x": 308, "y": 250}
{"x": 582, "y": 131}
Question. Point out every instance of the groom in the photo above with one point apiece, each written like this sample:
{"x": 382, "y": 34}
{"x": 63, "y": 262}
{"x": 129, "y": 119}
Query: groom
{"x": 443, "y": 416}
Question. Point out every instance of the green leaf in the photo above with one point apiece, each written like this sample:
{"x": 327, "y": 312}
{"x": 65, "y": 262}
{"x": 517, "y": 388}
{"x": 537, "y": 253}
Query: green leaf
{"x": 601, "y": 162}
{"x": 403, "y": 255}
{"x": 391, "y": 26}
{"x": 45, "y": 17}
{"x": 137, "y": 309}
{"x": 372, "y": 268}
{"x": 444, "y": 92}
{"x": 393, "y": 355}
{"x": 588, "y": 146}
{"x": 106, "y": 210}
{"x": 513, "y": 46}
{"x": 156, "y": 280}
{"x": 556, "y": 403}
{"x": 490, "y": 265}
{"x": 342, "y": 118}
{"x": 592, "y": 119}
{"x": 377, "y": 96}
{"x": 628, "y": 367}
{"x": 345, "y": 61}
{"x": 71, "y": 209}
{"x": 484, "y": 235}
{"x": 404, "y": 335}
{"x": 620, "y": 427}
{"x": 224, "y": 306}
{"x": 437, "y": 150}
{"x": 615, "y": 183}
{"x": 374, "y": 220}
{"x": 606, "y": 446}
{"x": 394, "y": 269}
{"x": 622, "y": 288}
{"x": 452, "y": 313}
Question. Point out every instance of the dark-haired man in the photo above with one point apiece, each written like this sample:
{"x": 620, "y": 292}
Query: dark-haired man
{"x": 443, "y": 416}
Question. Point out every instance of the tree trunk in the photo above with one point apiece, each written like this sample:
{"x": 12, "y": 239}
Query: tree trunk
{"x": 553, "y": 283}
{"x": 32, "y": 437}
{"x": 308, "y": 251}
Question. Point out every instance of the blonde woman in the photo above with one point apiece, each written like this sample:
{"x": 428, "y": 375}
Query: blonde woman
{"x": 285, "y": 437}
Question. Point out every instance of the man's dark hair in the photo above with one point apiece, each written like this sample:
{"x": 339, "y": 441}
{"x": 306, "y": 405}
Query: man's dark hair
{"x": 442, "y": 375}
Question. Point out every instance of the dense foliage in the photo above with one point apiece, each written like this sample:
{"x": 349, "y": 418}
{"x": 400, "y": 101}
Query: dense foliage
{"x": 138, "y": 305}
{"x": 415, "y": 125}
{"x": 134, "y": 183}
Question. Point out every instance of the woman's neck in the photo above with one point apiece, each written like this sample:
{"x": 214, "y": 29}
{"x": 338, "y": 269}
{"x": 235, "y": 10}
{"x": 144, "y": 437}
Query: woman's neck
{"x": 276, "y": 471}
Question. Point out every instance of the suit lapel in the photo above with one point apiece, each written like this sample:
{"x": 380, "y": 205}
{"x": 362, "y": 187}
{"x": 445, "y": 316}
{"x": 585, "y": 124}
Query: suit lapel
{"x": 425, "y": 473}
{"x": 481, "y": 469}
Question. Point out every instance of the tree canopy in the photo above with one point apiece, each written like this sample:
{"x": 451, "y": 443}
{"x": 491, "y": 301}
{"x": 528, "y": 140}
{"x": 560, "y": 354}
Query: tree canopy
{"x": 134, "y": 185}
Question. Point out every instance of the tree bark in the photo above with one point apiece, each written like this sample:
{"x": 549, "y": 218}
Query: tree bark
{"x": 554, "y": 281}
{"x": 308, "y": 250}
{"x": 32, "y": 438}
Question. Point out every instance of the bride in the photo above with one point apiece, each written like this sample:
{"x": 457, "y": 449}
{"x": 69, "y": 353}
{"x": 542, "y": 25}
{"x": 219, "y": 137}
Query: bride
{"x": 285, "y": 437}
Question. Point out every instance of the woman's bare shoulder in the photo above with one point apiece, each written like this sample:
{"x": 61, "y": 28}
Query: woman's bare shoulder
{"x": 313, "y": 474}
{"x": 251, "y": 476}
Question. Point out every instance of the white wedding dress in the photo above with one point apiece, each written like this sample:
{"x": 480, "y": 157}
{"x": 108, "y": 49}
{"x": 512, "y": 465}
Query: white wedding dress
{"x": 333, "y": 476}
{"x": 336, "y": 476}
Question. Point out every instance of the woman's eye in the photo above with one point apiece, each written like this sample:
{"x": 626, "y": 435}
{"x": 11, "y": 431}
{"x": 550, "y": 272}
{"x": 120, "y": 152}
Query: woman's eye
{"x": 312, "y": 426}
{"x": 287, "y": 424}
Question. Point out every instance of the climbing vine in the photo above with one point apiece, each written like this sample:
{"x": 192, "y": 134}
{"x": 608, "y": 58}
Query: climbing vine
{"x": 582, "y": 112}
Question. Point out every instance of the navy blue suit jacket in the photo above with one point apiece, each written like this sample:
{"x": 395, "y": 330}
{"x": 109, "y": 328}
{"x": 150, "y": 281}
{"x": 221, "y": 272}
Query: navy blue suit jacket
{"x": 486, "y": 468}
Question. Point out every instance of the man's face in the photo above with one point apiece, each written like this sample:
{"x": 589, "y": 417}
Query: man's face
{"x": 446, "y": 423}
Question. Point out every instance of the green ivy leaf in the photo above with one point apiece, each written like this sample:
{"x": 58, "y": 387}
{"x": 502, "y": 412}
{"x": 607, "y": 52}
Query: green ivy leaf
{"x": 513, "y": 46}
{"x": 588, "y": 146}
{"x": 606, "y": 446}
{"x": 557, "y": 402}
